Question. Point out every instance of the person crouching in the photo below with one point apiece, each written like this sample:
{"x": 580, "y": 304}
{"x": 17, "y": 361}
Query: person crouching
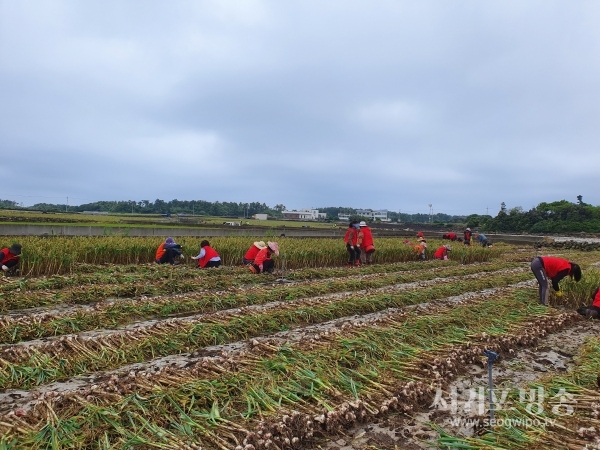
{"x": 252, "y": 252}
{"x": 592, "y": 311}
{"x": 9, "y": 258}
{"x": 263, "y": 261}
{"x": 208, "y": 256}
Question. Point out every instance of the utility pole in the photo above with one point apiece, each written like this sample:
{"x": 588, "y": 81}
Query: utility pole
{"x": 430, "y": 212}
{"x": 487, "y": 211}
{"x": 67, "y": 205}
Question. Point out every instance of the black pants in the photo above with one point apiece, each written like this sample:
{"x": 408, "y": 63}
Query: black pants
{"x": 168, "y": 257}
{"x": 268, "y": 266}
{"x": 537, "y": 267}
{"x": 592, "y": 312}
{"x": 247, "y": 261}
{"x": 11, "y": 263}
{"x": 353, "y": 254}
{"x": 212, "y": 264}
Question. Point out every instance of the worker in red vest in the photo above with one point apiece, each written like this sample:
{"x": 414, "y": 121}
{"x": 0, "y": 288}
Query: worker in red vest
{"x": 592, "y": 311}
{"x": 442, "y": 252}
{"x": 351, "y": 240}
{"x": 168, "y": 251}
{"x": 544, "y": 267}
{"x": 467, "y": 233}
{"x": 208, "y": 256}
{"x": 252, "y": 252}
{"x": 450, "y": 236}
{"x": 9, "y": 257}
{"x": 263, "y": 261}
{"x": 366, "y": 246}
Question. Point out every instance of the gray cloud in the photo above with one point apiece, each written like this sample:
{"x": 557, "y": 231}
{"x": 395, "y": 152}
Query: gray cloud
{"x": 393, "y": 105}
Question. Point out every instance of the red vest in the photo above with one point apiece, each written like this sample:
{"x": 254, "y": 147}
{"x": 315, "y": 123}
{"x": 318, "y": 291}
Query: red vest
{"x": 209, "y": 253}
{"x": 251, "y": 253}
{"x": 262, "y": 256}
{"x": 351, "y": 236}
{"x": 8, "y": 256}
{"x": 553, "y": 265}
{"x": 160, "y": 251}
{"x": 439, "y": 253}
{"x": 368, "y": 237}
{"x": 597, "y": 299}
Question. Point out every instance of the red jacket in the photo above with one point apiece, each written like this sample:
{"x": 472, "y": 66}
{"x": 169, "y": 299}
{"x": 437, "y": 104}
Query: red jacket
{"x": 262, "y": 256}
{"x": 451, "y": 236}
{"x": 368, "y": 237}
{"x": 553, "y": 265}
{"x": 209, "y": 253}
{"x": 8, "y": 256}
{"x": 351, "y": 236}
{"x": 420, "y": 234}
{"x": 440, "y": 253}
{"x": 468, "y": 235}
{"x": 251, "y": 253}
{"x": 596, "y": 297}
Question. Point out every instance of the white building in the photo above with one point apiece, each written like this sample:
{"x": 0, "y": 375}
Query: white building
{"x": 260, "y": 216}
{"x": 304, "y": 214}
{"x": 370, "y": 214}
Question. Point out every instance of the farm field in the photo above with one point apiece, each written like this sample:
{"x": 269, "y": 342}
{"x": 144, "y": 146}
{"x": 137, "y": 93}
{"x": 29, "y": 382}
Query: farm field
{"x": 102, "y": 349}
{"x": 142, "y": 220}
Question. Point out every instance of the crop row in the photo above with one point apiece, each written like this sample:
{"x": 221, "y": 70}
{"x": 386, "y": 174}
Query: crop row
{"x": 28, "y": 365}
{"x": 203, "y": 280}
{"x": 15, "y": 328}
{"x": 55, "y": 255}
{"x": 292, "y": 394}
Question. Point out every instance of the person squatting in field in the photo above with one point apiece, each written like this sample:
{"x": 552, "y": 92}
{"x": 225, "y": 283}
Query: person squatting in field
{"x": 544, "y": 267}
{"x": 367, "y": 247}
{"x": 208, "y": 256}
{"x": 252, "y": 252}
{"x": 592, "y": 311}
{"x": 442, "y": 252}
{"x": 351, "y": 240}
{"x": 263, "y": 261}
{"x": 9, "y": 258}
{"x": 168, "y": 251}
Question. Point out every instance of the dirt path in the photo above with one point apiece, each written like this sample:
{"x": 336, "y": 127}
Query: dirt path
{"x": 553, "y": 354}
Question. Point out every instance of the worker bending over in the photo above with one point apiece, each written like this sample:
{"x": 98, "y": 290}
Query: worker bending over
{"x": 442, "y": 252}
{"x": 544, "y": 267}
{"x": 592, "y": 311}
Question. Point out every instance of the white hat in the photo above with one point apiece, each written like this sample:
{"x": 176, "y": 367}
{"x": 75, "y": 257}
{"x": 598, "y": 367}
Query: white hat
{"x": 468, "y": 229}
{"x": 260, "y": 244}
{"x": 362, "y": 223}
{"x": 448, "y": 247}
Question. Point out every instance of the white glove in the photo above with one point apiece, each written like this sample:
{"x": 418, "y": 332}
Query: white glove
{"x": 5, "y": 268}
{"x": 182, "y": 256}
{"x": 352, "y": 247}
{"x": 193, "y": 257}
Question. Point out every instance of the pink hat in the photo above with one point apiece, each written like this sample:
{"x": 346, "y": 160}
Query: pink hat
{"x": 274, "y": 246}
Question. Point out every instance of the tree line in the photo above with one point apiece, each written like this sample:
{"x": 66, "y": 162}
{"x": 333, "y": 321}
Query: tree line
{"x": 555, "y": 217}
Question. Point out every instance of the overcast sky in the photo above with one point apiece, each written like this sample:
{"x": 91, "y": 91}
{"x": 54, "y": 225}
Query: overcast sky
{"x": 379, "y": 104}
